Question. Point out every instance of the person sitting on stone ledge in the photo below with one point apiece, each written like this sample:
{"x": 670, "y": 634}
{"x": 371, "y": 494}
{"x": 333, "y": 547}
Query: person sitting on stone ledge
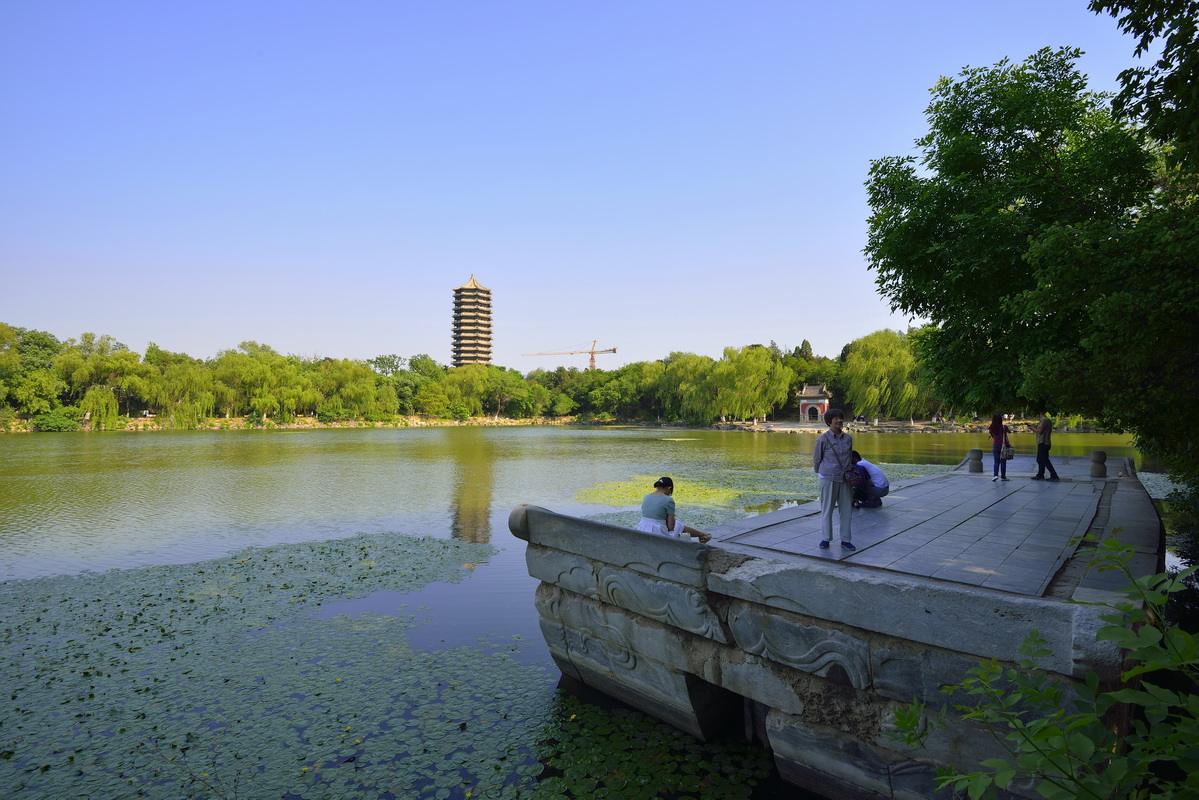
{"x": 658, "y": 513}
{"x": 871, "y": 493}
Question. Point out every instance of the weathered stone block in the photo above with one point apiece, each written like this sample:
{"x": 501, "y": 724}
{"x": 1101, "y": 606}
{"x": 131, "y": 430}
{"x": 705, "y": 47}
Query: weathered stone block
{"x": 671, "y": 646}
{"x": 656, "y": 556}
{"x": 679, "y": 606}
{"x": 816, "y": 658}
{"x": 609, "y": 657}
{"x": 783, "y": 638}
{"x": 811, "y": 755}
{"x": 904, "y": 672}
{"x": 966, "y": 619}
{"x": 759, "y": 680}
{"x": 746, "y": 675}
{"x": 699, "y": 707}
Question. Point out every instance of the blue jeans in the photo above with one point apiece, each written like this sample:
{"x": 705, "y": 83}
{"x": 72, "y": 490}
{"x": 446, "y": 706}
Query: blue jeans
{"x": 1000, "y": 467}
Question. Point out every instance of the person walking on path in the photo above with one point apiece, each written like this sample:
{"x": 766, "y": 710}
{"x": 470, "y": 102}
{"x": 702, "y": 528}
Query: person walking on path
{"x": 830, "y": 458}
{"x": 658, "y": 513}
{"x": 1044, "y": 442}
{"x": 999, "y": 440}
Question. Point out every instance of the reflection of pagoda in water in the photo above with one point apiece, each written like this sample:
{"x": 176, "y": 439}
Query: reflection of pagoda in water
{"x": 474, "y": 456}
{"x": 472, "y": 324}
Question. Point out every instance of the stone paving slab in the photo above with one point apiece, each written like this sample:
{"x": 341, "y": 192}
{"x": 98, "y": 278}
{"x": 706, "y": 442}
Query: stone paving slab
{"x": 1011, "y": 536}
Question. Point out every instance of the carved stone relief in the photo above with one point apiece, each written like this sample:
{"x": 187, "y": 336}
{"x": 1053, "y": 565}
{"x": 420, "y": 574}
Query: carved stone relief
{"x": 820, "y": 651}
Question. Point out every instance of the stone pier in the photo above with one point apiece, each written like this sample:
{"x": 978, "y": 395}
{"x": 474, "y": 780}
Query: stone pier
{"x": 811, "y": 651}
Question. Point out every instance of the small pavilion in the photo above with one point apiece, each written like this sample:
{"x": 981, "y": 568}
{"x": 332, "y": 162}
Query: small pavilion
{"x": 814, "y": 401}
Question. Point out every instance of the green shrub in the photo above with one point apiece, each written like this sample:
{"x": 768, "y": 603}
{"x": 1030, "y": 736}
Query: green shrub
{"x": 7, "y": 417}
{"x": 1074, "y": 750}
{"x": 64, "y": 418}
{"x": 332, "y": 411}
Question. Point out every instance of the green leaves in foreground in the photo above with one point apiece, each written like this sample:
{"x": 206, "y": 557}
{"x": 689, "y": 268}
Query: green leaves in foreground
{"x": 215, "y": 680}
{"x": 1066, "y": 739}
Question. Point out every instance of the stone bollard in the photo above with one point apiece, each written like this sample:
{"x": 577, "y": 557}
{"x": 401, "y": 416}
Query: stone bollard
{"x": 1098, "y": 464}
{"x": 974, "y": 460}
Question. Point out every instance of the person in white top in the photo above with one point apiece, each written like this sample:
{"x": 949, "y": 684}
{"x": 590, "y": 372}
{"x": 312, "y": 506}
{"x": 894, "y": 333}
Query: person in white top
{"x": 871, "y": 493}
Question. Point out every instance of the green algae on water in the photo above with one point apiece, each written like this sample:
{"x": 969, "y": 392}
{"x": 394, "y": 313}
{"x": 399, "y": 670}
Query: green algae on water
{"x": 718, "y": 493}
{"x": 632, "y": 491}
{"x": 215, "y": 680}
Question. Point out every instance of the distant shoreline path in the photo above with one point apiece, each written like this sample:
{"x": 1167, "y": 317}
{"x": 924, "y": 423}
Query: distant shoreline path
{"x": 151, "y": 424}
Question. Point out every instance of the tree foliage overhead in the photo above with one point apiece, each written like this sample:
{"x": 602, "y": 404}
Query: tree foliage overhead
{"x": 1165, "y": 96}
{"x": 1052, "y": 250}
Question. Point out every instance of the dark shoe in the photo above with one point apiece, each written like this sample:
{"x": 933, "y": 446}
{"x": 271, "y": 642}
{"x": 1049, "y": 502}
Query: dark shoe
{"x": 824, "y": 544}
{"x": 1055, "y": 478}
{"x": 1038, "y": 477}
{"x": 848, "y": 546}
{"x": 1004, "y": 478}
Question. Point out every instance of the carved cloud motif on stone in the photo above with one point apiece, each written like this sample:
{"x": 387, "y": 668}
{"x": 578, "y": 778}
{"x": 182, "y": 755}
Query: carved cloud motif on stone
{"x": 680, "y": 606}
{"x": 803, "y": 647}
{"x": 616, "y": 649}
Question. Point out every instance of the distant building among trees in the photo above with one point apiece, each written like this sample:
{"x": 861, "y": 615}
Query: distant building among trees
{"x": 472, "y": 324}
{"x": 813, "y": 401}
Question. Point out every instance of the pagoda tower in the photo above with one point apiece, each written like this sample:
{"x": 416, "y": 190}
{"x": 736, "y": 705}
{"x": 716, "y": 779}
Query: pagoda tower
{"x": 472, "y": 324}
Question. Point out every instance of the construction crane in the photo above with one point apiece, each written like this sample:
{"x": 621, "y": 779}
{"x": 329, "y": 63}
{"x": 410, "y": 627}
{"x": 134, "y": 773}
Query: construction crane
{"x": 592, "y": 352}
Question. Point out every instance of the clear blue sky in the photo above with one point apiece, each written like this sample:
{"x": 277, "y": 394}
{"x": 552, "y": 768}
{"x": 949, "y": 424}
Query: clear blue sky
{"x": 318, "y": 176}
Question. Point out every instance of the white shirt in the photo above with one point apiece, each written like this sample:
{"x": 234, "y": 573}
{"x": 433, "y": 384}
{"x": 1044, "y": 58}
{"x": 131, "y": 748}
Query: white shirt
{"x": 876, "y": 475}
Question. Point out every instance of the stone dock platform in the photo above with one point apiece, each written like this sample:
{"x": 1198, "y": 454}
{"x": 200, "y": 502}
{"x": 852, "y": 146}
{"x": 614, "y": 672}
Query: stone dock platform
{"x": 811, "y": 651}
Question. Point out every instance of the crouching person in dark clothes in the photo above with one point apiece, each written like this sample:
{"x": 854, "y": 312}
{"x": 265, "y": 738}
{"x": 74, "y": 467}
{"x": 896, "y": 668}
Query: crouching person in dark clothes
{"x": 871, "y": 493}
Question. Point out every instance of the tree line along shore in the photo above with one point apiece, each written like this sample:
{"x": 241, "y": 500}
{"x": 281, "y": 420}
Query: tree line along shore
{"x": 96, "y": 383}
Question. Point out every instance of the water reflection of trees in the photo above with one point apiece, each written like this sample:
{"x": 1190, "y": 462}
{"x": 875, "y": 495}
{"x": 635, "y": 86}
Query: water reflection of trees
{"x": 1182, "y": 537}
{"x": 474, "y": 457}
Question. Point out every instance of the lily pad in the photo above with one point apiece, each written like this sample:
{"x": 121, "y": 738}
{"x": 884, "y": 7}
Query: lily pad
{"x": 219, "y": 680}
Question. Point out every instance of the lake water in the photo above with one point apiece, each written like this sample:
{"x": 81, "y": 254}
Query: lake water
{"x": 73, "y": 504}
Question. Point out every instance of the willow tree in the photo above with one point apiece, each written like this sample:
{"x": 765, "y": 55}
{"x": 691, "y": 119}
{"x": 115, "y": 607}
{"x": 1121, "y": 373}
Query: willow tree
{"x": 99, "y": 403}
{"x": 880, "y": 375}
{"x": 750, "y": 382}
{"x": 187, "y": 394}
{"x": 685, "y": 390}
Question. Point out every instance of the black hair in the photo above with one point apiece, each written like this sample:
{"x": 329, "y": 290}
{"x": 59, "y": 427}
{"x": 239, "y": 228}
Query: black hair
{"x": 663, "y": 482}
{"x": 831, "y": 413}
{"x": 996, "y": 425}
{"x": 855, "y": 456}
